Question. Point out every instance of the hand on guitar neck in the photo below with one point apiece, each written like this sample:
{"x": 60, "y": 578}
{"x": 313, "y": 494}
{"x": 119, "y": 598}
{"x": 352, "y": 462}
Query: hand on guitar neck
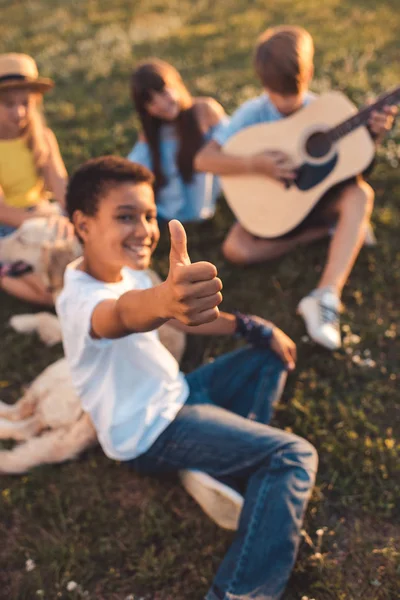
{"x": 381, "y": 122}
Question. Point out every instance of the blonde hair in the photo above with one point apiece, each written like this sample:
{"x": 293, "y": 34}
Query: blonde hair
{"x": 283, "y": 59}
{"x": 35, "y": 135}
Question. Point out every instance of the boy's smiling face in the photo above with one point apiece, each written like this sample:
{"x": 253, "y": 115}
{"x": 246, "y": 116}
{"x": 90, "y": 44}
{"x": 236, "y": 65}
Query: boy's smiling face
{"x": 123, "y": 232}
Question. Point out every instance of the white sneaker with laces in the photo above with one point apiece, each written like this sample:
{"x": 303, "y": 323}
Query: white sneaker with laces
{"x": 220, "y": 502}
{"x": 320, "y": 312}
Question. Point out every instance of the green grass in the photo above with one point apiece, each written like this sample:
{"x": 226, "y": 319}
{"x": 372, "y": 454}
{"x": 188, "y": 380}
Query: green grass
{"x": 93, "y": 521}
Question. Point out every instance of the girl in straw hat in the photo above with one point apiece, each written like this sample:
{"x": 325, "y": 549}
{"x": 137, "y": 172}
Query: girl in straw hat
{"x": 31, "y": 167}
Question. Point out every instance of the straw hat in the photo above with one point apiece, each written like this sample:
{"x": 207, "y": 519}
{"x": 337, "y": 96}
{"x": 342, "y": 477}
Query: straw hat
{"x": 20, "y": 71}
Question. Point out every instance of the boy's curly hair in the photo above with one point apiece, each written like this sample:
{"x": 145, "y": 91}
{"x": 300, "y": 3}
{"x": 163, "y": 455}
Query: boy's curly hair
{"x": 283, "y": 59}
{"x": 96, "y": 177}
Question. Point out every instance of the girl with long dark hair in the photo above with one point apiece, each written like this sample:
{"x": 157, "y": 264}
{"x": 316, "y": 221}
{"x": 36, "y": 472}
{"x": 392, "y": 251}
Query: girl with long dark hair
{"x": 174, "y": 127}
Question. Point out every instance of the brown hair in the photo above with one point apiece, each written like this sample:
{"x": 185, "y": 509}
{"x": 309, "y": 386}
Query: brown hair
{"x": 153, "y": 76}
{"x": 283, "y": 59}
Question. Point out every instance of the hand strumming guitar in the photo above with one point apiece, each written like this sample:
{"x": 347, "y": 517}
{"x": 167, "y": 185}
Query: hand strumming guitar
{"x": 274, "y": 164}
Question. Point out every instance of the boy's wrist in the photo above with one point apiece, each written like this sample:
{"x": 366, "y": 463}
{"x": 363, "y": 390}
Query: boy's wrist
{"x": 249, "y": 165}
{"x": 163, "y": 301}
{"x": 258, "y": 333}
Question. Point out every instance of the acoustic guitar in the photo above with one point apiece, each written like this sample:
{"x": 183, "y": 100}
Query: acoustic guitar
{"x": 328, "y": 142}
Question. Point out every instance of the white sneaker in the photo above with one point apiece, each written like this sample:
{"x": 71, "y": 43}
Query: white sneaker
{"x": 321, "y": 317}
{"x": 220, "y": 502}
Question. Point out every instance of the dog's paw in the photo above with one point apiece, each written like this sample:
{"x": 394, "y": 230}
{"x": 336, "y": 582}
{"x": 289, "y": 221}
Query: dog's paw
{"x": 24, "y": 323}
{"x": 49, "y": 329}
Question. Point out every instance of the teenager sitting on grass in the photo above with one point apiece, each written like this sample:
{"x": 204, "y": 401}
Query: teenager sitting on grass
{"x": 211, "y": 424}
{"x": 284, "y": 64}
{"x": 174, "y": 127}
{"x": 31, "y": 168}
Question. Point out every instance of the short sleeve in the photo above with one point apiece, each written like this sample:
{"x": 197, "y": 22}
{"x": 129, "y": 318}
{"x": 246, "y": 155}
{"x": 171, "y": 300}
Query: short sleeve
{"x": 245, "y": 116}
{"x": 217, "y": 129}
{"x": 75, "y": 313}
{"x": 140, "y": 153}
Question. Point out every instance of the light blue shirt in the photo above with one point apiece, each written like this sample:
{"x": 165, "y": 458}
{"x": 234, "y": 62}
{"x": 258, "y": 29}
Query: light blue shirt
{"x": 254, "y": 111}
{"x": 192, "y": 201}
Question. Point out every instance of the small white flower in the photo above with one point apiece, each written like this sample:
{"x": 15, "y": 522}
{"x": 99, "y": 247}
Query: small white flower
{"x": 368, "y": 362}
{"x": 354, "y": 339}
{"x": 71, "y": 586}
{"x": 356, "y": 359}
{"x": 30, "y": 565}
{"x": 390, "y": 333}
{"x": 39, "y": 593}
{"x": 305, "y": 339}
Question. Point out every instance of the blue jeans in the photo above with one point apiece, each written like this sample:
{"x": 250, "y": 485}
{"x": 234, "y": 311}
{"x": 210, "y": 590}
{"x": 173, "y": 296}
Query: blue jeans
{"x": 222, "y": 430}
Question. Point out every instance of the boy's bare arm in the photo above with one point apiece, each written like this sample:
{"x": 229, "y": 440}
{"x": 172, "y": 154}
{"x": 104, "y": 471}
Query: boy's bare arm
{"x": 191, "y": 295}
{"x": 225, "y": 324}
{"x": 274, "y": 164}
{"x": 10, "y": 215}
{"x": 212, "y": 159}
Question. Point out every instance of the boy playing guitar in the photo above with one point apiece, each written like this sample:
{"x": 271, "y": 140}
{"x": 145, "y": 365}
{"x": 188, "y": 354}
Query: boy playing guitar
{"x": 284, "y": 64}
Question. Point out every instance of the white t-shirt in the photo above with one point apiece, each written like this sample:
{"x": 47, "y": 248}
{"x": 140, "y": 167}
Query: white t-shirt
{"x": 131, "y": 387}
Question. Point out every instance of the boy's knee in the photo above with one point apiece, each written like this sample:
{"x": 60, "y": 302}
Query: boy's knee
{"x": 360, "y": 194}
{"x": 302, "y": 454}
{"x": 366, "y": 196}
{"x": 235, "y": 252}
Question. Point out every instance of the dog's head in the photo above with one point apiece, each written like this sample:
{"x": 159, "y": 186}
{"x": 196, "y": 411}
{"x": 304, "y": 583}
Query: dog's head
{"x": 36, "y": 243}
{"x": 55, "y": 256}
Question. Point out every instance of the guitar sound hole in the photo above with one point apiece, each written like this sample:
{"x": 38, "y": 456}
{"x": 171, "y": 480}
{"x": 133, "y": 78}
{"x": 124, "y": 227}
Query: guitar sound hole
{"x": 318, "y": 145}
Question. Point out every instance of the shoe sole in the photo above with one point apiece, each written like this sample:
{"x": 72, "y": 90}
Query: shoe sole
{"x": 220, "y": 502}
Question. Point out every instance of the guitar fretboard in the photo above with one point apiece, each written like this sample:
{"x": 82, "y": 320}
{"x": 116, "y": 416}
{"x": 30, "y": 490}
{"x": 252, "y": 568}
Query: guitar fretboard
{"x": 362, "y": 117}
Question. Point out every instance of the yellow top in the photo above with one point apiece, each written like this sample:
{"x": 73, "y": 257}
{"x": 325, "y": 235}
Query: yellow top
{"x": 21, "y": 184}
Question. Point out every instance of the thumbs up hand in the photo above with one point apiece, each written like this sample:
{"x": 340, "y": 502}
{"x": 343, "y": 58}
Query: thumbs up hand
{"x": 193, "y": 291}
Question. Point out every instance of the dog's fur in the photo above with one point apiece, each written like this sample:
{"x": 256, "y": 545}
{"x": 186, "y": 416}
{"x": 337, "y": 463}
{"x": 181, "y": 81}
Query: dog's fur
{"x": 35, "y": 243}
{"x": 48, "y": 419}
{"x": 50, "y": 407}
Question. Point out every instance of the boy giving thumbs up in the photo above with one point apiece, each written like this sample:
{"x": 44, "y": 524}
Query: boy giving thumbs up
{"x": 211, "y": 425}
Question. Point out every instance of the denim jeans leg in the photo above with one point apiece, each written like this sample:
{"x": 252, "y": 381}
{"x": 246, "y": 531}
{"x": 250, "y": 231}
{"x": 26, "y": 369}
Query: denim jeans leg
{"x": 279, "y": 469}
{"x": 248, "y": 382}
{"x": 259, "y": 561}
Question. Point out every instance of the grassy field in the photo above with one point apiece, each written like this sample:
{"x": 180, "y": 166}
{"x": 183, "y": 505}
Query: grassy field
{"x": 95, "y": 523}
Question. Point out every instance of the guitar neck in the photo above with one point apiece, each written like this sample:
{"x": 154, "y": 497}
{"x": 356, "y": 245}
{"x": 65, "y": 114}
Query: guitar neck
{"x": 362, "y": 117}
